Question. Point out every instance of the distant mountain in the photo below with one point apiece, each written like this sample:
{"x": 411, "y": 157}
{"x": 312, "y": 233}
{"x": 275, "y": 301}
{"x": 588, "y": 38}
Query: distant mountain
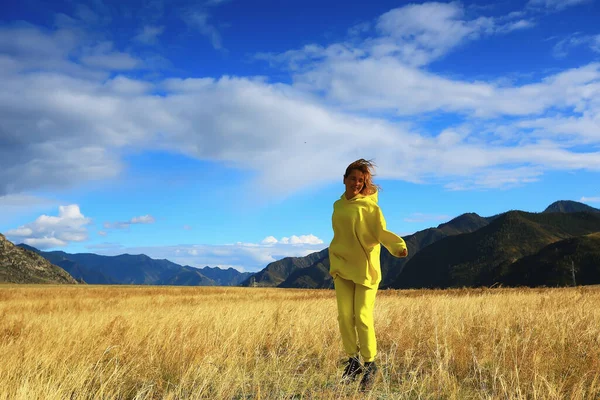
{"x": 564, "y": 263}
{"x": 186, "y": 276}
{"x": 76, "y": 270}
{"x": 484, "y": 256}
{"x": 567, "y": 206}
{"x": 135, "y": 270}
{"x": 18, "y": 265}
{"x": 225, "y": 277}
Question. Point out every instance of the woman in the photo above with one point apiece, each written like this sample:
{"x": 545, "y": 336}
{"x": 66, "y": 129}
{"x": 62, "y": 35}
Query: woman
{"x": 358, "y": 229}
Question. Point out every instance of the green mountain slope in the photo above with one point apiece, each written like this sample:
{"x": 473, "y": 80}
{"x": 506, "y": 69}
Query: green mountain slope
{"x": 573, "y": 261}
{"x": 567, "y": 206}
{"x": 278, "y": 271}
{"x": 483, "y": 257}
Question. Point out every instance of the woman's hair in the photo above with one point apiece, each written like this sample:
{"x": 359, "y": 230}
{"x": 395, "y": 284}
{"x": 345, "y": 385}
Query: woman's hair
{"x": 367, "y": 167}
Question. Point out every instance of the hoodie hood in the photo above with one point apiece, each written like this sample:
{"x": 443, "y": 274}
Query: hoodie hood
{"x": 371, "y": 197}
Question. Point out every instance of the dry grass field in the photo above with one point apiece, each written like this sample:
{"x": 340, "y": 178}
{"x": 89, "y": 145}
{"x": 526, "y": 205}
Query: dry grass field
{"x": 100, "y": 342}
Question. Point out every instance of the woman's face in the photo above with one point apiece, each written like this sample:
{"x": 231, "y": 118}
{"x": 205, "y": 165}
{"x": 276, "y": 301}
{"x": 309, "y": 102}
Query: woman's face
{"x": 354, "y": 183}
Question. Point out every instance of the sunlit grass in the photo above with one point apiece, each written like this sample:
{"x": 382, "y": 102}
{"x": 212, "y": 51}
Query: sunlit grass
{"x": 60, "y": 342}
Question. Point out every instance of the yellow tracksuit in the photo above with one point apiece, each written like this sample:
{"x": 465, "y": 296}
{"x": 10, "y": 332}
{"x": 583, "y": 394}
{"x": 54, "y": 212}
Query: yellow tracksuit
{"x": 358, "y": 229}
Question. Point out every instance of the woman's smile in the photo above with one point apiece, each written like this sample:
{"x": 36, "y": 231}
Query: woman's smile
{"x": 354, "y": 183}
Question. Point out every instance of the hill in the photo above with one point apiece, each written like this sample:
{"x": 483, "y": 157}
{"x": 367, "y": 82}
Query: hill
{"x": 18, "y": 265}
{"x": 278, "y": 271}
{"x": 567, "y": 206}
{"x": 392, "y": 267}
{"x": 483, "y": 257}
{"x": 573, "y": 261}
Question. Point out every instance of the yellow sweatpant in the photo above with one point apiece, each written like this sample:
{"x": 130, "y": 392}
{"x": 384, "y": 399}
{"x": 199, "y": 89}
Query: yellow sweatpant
{"x": 355, "y": 315}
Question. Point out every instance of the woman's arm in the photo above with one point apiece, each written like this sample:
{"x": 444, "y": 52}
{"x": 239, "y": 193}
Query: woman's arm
{"x": 394, "y": 243}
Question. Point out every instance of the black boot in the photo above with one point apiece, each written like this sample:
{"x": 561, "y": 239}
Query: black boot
{"x": 352, "y": 370}
{"x": 368, "y": 379}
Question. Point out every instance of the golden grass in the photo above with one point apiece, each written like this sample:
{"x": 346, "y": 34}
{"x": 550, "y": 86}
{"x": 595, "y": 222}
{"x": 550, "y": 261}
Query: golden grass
{"x": 101, "y": 342}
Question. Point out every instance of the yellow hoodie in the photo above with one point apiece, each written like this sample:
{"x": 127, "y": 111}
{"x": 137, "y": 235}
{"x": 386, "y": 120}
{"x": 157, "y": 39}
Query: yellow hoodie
{"x": 358, "y": 230}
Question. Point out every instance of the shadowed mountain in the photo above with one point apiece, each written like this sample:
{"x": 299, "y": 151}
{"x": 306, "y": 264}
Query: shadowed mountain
{"x": 314, "y": 276}
{"x": 567, "y": 206}
{"x": 278, "y": 271}
{"x": 76, "y": 270}
{"x": 123, "y": 269}
{"x": 18, "y": 265}
{"x": 573, "y": 261}
{"x": 483, "y": 257}
{"x": 391, "y": 267}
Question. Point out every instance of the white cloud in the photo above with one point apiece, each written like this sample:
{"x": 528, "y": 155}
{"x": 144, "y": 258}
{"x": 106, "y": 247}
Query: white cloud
{"x": 414, "y": 35}
{"x": 555, "y": 5}
{"x": 595, "y": 43}
{"x": 303, "y": 239}
{"x": 14, "y": 204}
{"x": 517, "y": 25}
{"x": 45, "y": 243}
{"x": 590, "y": 199}
{"x": 360, "y": 29}
{"x": 199, "y": 20}
{"x": 121, "y": 85}
{"x": 389, "y": 85}
{"x": 21, "y": 231}
{"x": 269, "y": 240}
{"x": 54, "y": 231}
{"x": 103, "y": 56}
{"x": 420, "y": 33}
{"x": 149, "y": 34}
{"x": 293, "y": 240}
{"x": 562, "y": 48}
{"x": 72, "y": 129}
{"x": 102, "y": 233}
{"x": 144, "y": 219}
{"x": 28, "y": 48}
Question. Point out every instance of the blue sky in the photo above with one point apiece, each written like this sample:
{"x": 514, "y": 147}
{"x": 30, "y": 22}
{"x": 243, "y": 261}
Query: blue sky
{"x": 216, "y": 133}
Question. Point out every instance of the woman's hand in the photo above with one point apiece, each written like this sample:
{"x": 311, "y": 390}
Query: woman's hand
{"x": 403, "y": 253}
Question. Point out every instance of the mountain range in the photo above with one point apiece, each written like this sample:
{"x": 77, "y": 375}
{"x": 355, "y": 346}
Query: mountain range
{"x": 487, "y": 256}
{"x": 137, "y": 270}
{"x": 471, "y": 250}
